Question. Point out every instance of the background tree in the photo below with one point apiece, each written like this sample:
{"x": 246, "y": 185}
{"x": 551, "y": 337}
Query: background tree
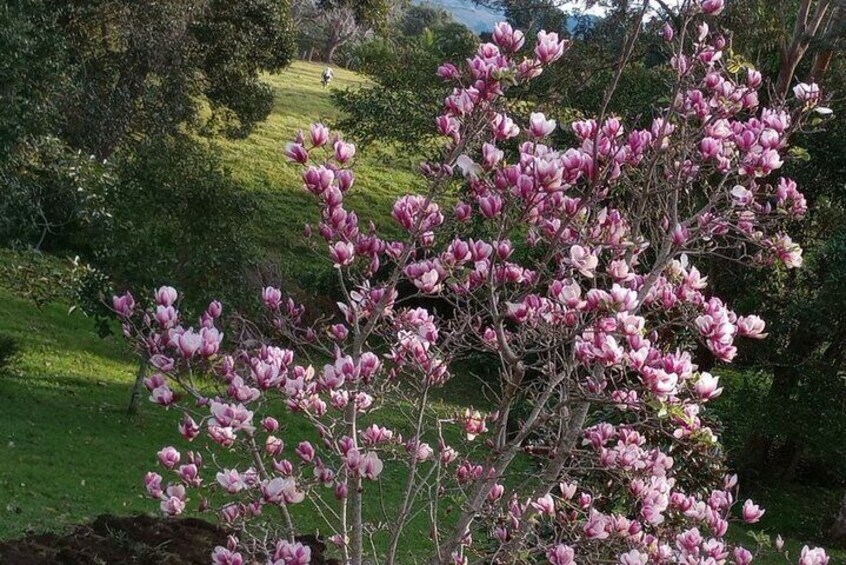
{"x": 90, "y": 87}
{"x": 326, "y": 26}
{"x": 399, "y": 105}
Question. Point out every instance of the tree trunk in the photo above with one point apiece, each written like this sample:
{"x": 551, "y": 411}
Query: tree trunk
{"x": 838, "y": 529}
{"x": 331, "y": 47}
{"x": 807, "y": 28}
{"x": 135, "y": 399}
{"x": 791, "y": 456}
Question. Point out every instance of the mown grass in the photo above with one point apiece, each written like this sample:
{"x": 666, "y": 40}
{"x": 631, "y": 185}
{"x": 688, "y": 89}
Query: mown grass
{"x": 258, "y": 163}
{"x": 69, "y": 450}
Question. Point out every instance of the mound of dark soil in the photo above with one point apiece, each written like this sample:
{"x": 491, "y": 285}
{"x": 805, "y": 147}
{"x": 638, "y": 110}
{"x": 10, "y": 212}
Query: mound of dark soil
{"x": 135, "y": 540}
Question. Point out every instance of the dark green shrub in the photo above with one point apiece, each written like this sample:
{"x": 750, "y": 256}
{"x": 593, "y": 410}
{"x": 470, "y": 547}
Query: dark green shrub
{"x": 176, "y": 217}
{"x": 9, "y": 349}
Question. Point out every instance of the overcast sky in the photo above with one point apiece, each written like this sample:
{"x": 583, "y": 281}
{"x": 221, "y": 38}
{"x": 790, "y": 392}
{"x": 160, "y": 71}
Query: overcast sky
{"x": 580, "y": 5}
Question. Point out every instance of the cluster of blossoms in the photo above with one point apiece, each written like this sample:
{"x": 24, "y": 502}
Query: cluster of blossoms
{"x": 571, "y": 269}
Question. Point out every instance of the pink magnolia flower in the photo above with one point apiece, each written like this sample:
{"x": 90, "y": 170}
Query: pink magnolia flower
{"x": 370, "y": 466}
{"x": 707, "y": 386}
{"x": 504, "y": 127}
{"x": 189, "y": 343}
{"x": 595, "y": 527}
{"x": 288, "y": 553}
{"x": 752, "y": 512}
{"x": 188, "y": 428}
{"x": 272, "y": 297}
{"x": 235, "y": 416}
{"x": 173, "y": 501}
{"x": 296, "y": 153}
{"x": 808, "y": 93}
{"x": 561, "y": 555}
{"x": 169, "y": 457}
{"x": 154, "y": 381}
{"x": 448, "y": 71}
{"x": 788, "y": 252}
{"x": 490, "y": 206}
{"x": 420, "y": 451}
{"x": 162, "y": 362}
{"x": 544, "y": 505}
{"x": 468, "y": 167}
{"x": 751, "y": 326}
{"x": 166, "y": 296}
{"x": 549, "y": 48}
{"x": 474, "y": 424}
{"x": 162, "y": 396}
{"x": 539, "y": 126}
{"x": 634, "y": 557}
{"x": 224, "y": 556}
{"x": 153, "y": 484}
{"x": 281, "y": 491}
{"x": 231, "y": 481}
{"x": 319, "y": 135}
{"x": 463, "y": 211}
{"x": 583, "y": 260}
{"x": 508, "y": 38}
{"x": 124, "y": 304}
{"x": 713, "y": 7}
{"x": 815, "y": 556}
{"x": 496, "y": 492}
{"x": 305, "y": 451}
{"x": 270, "y": 424}
{"x": 742, "y": 556}
{"x": 529, "y": 69}
{"x": 375, "y": 434}
{"x": 273, "y": 446}
{"x": 344, "y": 151}
{"x": 190, "y": 474}
{"x": 568, "y": 490}
{"x": 342, "y": 253}
{"x": 166, "y": 316}
{"x": 317, "y": 180}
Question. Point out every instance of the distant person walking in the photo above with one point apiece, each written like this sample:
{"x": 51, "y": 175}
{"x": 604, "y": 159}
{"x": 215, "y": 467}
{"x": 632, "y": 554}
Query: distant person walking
{"x": 326, "y": 77}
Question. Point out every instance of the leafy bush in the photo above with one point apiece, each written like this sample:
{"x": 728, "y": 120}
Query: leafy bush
{"x": 400, "y": 105}
{"x": 164, "y": 200}
{"x": 107, "y": 78}
{"x": 9, "y": 349}
{"x": 38, "y": 277}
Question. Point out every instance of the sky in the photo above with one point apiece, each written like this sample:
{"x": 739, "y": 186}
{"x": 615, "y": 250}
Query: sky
{"x": 482, "y": 19}
{"x": 599, "y": 11}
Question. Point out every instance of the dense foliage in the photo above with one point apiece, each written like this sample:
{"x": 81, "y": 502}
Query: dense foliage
{"x": 103, "y": 101}
{"x": 400, "y": 104}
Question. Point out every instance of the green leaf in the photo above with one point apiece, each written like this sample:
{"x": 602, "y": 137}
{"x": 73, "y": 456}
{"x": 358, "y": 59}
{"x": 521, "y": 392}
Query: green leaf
{"x": 799, "y": 153}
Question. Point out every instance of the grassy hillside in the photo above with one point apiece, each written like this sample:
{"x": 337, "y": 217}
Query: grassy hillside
{"x": 259, "y": 164}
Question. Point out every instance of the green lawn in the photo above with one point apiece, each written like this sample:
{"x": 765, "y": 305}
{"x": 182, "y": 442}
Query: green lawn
{"x": 258, "y": 163}
{"x": 70, "y": 450}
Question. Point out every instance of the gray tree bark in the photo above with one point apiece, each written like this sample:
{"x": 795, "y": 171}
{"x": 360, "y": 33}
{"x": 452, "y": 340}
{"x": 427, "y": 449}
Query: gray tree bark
{"x": 135, "y": 399}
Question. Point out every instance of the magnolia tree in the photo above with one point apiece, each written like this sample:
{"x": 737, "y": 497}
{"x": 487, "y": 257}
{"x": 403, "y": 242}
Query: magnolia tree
{"x": 573, "y": 271}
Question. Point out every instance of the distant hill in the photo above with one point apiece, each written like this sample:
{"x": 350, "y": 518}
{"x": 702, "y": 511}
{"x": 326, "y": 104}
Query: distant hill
{"x": 479, "y": 18}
